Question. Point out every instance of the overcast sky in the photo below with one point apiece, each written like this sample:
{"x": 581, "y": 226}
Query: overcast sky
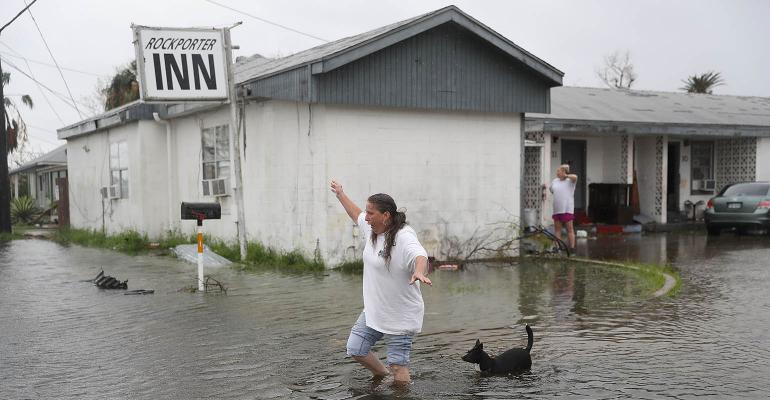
{"x": 668, "y": 40}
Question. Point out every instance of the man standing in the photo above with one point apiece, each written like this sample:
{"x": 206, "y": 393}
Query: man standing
{"x": 563, "y": 189}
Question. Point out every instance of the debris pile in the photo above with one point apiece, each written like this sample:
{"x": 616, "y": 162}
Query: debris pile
{"x": 108, "y": 282}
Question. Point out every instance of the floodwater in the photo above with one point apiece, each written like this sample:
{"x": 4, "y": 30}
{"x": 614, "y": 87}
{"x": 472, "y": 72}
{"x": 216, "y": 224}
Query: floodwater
{"x": 282, "y": 335}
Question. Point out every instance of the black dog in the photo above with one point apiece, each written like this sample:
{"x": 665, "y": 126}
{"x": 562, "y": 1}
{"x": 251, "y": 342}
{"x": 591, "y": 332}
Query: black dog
{"x": 513, "y": 360}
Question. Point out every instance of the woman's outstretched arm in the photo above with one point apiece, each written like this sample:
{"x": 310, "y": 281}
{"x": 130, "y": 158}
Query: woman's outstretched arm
{"x": 351, "y": 208}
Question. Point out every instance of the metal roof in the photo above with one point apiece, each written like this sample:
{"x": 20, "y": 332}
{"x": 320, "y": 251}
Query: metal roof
{"x": 55, "y": 157}
{"x": 332, "y": 55}
{"x": 329, "y": 57}
{"x": 646, "y": 110}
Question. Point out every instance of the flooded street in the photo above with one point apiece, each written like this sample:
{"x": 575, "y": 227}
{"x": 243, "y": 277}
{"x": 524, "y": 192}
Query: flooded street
{"x": 282, "y": 335}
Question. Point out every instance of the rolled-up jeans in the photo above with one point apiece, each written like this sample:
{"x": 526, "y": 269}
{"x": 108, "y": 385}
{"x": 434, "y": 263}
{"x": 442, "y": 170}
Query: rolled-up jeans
{"x": 362, "y": 338}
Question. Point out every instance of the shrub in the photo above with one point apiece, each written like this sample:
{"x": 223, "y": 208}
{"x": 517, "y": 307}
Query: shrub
{"x": 24, "y": 210}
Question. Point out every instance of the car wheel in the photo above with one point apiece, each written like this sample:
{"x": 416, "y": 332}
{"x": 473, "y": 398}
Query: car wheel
{"x": 713, "y": 231}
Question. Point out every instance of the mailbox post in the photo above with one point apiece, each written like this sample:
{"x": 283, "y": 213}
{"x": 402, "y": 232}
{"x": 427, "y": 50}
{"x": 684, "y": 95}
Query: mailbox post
{"x": 200, "y": 212}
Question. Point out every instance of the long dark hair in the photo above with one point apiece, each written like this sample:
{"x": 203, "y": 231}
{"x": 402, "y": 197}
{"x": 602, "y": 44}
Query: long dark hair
{"x": 384, "y": 203}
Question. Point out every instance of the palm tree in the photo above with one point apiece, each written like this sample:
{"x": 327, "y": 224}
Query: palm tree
{"x": 122, "y": 89}
{"x": 703, "y": 83}
{"x": 13, "y": 132}
{"x": 16, "y": 129}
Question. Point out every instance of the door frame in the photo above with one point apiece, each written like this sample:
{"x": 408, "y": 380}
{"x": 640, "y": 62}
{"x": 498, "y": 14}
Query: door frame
{"x": 582, "y": 179}
{"x": 673, "y": 162}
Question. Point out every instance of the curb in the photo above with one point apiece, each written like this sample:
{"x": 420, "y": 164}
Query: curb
{"x": 667, "y": 285}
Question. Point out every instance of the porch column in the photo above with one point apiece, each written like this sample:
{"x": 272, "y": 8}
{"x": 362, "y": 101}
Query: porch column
{"x": 33, "y": 185}
{"x": 627, "y": 159}
{"x": 545, "y": 172}
{"x": 651, "y": 165}
{"x": 763, "y": 163}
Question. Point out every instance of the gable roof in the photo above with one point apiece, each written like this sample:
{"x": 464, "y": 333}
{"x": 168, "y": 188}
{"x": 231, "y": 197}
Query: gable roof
{"x": 288, "y": 78}
{"x": 643, "y": 109}
{"x": 329, "y": 56}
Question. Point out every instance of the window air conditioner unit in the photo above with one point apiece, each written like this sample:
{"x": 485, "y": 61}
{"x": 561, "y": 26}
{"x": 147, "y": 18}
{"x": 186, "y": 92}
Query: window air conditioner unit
{"x": 215, "y": 187}
{"x": 708, "y": 184}
{"x": 114, "y": 192}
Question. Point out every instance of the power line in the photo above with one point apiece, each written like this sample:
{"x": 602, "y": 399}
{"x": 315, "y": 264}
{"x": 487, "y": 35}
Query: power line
{"x": 57, "y": 94}
{"x": 18, "y": 15}
{"x": 48, "y": 64}
{"x": 36, "y": 137}
{"x": 41, "y": 128}
{"x": 54, "y": 61}
{"x": 44, "y": 96}
{"x": 266, "y": 21}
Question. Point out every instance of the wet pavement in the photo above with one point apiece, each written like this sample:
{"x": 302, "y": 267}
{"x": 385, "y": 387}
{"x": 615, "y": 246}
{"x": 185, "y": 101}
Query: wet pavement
{"x": 282, "y": 335}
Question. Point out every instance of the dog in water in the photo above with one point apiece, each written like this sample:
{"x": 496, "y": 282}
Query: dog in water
{"x": 513, "y": 360}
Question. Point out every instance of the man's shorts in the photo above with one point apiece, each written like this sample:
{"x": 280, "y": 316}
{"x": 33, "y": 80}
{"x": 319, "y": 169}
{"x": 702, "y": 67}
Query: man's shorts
{"x": 362, "y": 338}
{"x": 565, "y": 217}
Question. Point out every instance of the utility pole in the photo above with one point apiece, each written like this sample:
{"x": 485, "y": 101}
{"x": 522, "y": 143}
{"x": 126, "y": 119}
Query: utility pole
{"x": 5, "y": 182}
{"x": 235, "y": 145}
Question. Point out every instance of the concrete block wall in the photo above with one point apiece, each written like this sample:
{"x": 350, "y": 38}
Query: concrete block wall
{"x": 453, "y": 172}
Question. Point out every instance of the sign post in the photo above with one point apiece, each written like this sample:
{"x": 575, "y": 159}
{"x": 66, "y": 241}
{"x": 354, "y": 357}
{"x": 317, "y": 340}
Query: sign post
{"x": 193, "y": 65}
{"x": 201, "y": 212}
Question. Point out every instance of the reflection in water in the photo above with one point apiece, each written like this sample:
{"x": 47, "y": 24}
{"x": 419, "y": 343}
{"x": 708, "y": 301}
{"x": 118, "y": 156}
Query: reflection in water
{"x": 282, "y": 335}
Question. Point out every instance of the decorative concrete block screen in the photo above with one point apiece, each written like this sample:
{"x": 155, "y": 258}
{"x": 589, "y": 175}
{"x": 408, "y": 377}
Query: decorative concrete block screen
{"x": 532, "y": 173}
{"x": 736, "y": 161}
{"x": 624, "y": 158}
{"x": 659, "y": 186}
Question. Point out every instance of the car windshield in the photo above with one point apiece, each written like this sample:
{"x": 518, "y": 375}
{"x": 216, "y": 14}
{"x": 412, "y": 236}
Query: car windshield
{"x": 747, "y": 189}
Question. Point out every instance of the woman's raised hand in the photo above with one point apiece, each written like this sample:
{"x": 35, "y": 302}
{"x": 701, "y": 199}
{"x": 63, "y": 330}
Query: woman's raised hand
{"x": 336, "y": 187}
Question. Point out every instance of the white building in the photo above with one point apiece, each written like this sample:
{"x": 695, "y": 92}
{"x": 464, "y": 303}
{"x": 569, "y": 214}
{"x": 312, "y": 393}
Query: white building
{"x": 429, "y": 110}
{"x": 38, "y": 178}
{"x": 683, "y": 147}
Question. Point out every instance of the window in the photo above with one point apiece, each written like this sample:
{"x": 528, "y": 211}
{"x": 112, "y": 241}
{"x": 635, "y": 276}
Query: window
{"x": 215, "y": 143}
{"x": 119, "y": 170}
{"x": 24, "y": 185}
{"x": 702, "y": 168}
{"x": 216, "y": 152}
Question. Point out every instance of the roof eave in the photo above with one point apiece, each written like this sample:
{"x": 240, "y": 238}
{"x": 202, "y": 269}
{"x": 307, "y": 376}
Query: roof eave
{"x": 35, "y": 166}
{"x": 451, "y": 13}
{"x": 577, "y": 126}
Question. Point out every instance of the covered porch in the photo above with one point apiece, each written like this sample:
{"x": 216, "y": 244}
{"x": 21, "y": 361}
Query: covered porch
{"x": 636, "y": 157}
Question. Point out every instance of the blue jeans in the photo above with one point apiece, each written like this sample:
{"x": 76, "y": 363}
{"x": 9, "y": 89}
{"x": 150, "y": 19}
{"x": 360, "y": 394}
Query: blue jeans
{"x": 362, "y": 338}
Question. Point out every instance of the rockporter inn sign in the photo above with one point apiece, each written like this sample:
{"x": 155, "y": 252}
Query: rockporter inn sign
{"x": 181, "y": 64}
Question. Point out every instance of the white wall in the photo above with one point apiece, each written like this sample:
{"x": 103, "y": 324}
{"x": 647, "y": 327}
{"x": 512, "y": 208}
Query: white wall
{"x": 547, "y": 172}
{"x": 147, "y": 207}
{"x": 454, "y": 172}
{"x": 458, "y": 168}
{"x": 88, "y": 160}
{"x": 187, "y": 173}
{"x": 646, "y": 176}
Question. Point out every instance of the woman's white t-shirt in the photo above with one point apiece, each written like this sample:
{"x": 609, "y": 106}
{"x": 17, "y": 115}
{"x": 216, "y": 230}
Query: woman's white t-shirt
{"x": 563, "y": 196}
{"x": 391, "y": 304}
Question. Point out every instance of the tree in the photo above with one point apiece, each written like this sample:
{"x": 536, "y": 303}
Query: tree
{"x": 16, "y": 129}
{"x": 618, "y": 71}
{"x": 123, "y": 88}
{"x": 13, "y": 132}
{"x": 703, "y": 83}
{"x": 5, "y": 184}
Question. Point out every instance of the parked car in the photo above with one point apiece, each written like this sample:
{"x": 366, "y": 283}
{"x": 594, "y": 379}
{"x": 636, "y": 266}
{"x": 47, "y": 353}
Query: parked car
{"x": 740, "y": 206}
